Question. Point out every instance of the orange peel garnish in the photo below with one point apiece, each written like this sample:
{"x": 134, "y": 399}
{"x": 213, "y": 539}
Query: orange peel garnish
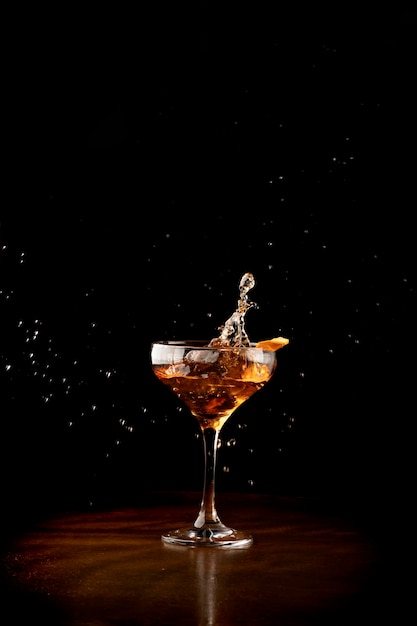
{"x": 272, "y": 345}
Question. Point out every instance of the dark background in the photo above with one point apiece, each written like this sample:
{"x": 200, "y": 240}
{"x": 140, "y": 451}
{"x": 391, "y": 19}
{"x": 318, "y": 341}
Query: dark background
{"x": 154, "y": 157}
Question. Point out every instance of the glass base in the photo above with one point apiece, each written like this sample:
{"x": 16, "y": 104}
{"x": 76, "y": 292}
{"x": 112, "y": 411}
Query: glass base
{"x": 208, "y": 536}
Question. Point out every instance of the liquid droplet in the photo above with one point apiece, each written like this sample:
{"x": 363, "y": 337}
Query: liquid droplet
{"x": 233, "y": 332}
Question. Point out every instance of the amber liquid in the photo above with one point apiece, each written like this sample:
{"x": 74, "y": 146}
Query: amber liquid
{"x": 214, "y": 392}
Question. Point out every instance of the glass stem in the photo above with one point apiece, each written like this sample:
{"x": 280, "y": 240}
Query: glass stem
{"x": 208, "y": 513}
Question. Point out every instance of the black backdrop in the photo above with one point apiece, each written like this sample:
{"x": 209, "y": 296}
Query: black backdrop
{"x": 152, "y": 159}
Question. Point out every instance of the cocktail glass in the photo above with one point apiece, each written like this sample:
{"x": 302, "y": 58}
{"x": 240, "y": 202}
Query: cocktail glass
{"x": 212, "y": 381}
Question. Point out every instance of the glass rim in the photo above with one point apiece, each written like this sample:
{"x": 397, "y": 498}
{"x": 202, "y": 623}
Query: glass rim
{"x": 201, "y": 344}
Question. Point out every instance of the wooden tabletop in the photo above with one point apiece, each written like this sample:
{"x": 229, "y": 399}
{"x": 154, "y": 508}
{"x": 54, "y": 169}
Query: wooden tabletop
{"x": 110, "y": 568}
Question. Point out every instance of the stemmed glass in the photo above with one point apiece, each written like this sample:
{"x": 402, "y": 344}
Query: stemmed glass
{"x": 212, "y": 381}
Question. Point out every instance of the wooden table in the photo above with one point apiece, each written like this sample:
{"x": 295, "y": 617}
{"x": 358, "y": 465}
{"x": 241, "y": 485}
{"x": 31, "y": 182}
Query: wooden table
{"x": 110, "y": 568}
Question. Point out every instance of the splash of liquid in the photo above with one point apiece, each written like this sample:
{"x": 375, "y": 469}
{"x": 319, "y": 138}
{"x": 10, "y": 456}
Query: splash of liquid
{"x": 233, "y": 332}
